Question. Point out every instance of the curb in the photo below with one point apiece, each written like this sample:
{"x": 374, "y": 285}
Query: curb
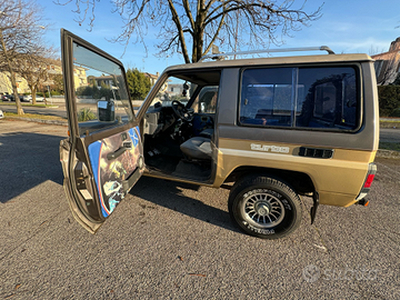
{"x": 50, "y": 122}
{"x": 30, "y": 105}
{"x": 388, "y": 154}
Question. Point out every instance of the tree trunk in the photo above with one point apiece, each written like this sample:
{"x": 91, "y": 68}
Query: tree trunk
{"x": 44, "y": 96}
{"x": 20, "y": 111}
{"x": 198, "y": 31}
{"x": 198, "y": 45}
{"x": 33, "y": 93}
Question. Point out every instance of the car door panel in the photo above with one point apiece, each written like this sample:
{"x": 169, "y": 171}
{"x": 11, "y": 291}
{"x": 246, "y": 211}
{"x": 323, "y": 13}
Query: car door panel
{"x": 112, "y": 172}
{"x": 103, "y": 157}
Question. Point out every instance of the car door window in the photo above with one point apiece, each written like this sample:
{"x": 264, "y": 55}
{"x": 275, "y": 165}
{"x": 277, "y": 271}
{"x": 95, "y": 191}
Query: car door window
{"x": 99, "y": 87}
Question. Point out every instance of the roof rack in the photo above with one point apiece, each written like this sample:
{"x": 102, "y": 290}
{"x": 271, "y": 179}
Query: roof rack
{"x": 221, "y": 55}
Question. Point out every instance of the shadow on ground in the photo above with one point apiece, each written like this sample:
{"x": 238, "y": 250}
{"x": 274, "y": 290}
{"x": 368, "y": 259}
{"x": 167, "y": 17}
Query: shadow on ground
{"x": 168, "y": 194}
{"x": 27, "y": 160}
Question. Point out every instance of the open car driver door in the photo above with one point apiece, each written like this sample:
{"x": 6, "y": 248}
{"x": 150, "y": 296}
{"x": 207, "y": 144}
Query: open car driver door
{"x": 103, "y": 156}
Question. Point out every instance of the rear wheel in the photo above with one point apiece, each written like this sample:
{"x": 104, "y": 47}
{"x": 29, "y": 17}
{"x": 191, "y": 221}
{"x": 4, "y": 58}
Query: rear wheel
{"x": 265, "y": 207}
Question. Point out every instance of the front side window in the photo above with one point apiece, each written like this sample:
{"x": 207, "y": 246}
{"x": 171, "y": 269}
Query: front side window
{"x": 324, "y": 97}
{"x": 99, "y": 88}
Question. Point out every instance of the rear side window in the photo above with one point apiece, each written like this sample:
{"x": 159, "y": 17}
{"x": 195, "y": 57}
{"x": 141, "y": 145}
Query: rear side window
{"x": 323, "y": 97}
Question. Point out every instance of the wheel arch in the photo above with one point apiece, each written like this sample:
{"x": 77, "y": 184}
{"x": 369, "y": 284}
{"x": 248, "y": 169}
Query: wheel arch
{"x": 300, "y": 182}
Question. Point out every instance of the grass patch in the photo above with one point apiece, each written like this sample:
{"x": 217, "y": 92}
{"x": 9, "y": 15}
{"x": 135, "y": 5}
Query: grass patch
{"x": 389, "y": 146}
{"x": 25, "y": 104}
{"x": 33, "y": 116}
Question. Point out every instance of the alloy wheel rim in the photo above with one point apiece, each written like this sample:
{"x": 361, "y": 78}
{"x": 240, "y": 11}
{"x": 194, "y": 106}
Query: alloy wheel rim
{"x": 263, "y": 210}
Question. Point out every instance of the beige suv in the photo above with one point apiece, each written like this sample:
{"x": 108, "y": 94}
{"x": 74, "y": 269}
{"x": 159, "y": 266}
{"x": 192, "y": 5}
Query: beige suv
{"x": 271, "y": 129}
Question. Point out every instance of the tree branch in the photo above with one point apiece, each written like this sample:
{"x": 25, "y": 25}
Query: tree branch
{"x": 177, "y": 22}
{"x": 188, "y": 12}
{"x": 221, "y": 23}
{"x": 203, "y": 22}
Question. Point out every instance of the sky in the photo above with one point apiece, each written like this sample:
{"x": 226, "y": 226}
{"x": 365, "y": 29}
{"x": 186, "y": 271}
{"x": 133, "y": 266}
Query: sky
{"x": 346, "y": 26}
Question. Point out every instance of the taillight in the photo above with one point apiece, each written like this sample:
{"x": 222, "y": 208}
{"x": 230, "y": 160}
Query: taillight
{"x": 368, "y": 181}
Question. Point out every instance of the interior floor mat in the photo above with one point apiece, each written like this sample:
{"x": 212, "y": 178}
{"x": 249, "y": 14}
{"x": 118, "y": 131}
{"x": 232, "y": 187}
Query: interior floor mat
{"x": 162, "y": 163}
{"x": 192, "y": 171}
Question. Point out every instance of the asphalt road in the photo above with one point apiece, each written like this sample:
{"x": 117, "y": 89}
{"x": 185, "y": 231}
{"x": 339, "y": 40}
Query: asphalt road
{"x": 58, "y": 110}
{"x": 389, "y": 135}
{"x": 174, "y": 241}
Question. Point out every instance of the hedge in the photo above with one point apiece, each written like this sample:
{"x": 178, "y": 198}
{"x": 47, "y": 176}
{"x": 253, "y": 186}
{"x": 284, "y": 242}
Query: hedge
{"x": 389, "y": 100}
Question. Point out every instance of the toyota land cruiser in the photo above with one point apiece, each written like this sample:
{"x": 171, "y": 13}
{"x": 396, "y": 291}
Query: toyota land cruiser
{"x": 275, "y": 129}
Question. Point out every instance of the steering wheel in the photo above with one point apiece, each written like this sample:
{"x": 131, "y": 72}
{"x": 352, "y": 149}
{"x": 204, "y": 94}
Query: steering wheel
{"x": 181, "y": 111}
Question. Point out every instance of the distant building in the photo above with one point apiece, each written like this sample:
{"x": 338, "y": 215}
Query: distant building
{"x": 106, "y": 80}
{"x": 387, "y": 64}
{"x": 53, "y": 67}
{"x": 175, "y": 89}
{"x": 153, "y": 78}
{"x": 80, "y": 78}
{"x": 5, "y": 84}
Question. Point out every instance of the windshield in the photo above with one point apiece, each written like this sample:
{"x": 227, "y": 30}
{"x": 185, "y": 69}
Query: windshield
{"x": 174, "y": 89}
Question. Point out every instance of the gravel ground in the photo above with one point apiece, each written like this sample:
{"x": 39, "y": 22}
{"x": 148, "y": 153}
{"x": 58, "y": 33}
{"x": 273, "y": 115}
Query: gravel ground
{"x": 176, "y": 241}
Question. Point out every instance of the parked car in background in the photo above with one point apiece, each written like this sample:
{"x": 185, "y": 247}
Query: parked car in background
{"x": 21, "y": 98}
{"x": 6, "y": 97}
{"x": 38, "y": 98}
{"x": 25, "y": 98}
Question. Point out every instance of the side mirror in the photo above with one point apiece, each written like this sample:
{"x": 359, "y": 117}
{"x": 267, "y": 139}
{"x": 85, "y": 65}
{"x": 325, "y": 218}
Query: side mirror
{"x": 106, "y": 111}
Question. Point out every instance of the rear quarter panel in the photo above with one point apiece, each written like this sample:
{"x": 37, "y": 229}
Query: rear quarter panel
{"x": 338, "y": 179}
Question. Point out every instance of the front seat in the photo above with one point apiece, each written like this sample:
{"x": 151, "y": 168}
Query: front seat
{"x": 197, "y": 148}
{"x": 207, "y": 133}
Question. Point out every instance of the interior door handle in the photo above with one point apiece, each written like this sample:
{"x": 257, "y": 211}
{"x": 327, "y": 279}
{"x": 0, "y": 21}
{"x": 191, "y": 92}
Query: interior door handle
{"x": 115, "y": 154}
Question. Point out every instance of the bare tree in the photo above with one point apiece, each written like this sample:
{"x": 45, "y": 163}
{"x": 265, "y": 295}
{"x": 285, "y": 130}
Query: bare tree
{"x": 35, "y": 69}
{"x": 58, "y": 83}
{"x": 386, "y": 67}
{"x": 21, "y": 30}
{"x": 201, "y": 23}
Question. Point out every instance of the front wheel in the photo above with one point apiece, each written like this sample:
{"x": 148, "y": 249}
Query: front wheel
{"x": 265, "y": 207}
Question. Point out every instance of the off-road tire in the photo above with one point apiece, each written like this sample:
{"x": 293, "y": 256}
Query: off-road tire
{"x": 265, "y": 207}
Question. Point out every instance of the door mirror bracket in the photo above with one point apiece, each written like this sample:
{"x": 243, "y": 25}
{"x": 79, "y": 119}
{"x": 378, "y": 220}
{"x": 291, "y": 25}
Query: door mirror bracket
{"x": 106, "y": 110}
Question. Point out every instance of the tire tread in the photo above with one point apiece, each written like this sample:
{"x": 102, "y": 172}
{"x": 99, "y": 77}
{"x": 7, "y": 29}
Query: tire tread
{"x": 254, "y": 180}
